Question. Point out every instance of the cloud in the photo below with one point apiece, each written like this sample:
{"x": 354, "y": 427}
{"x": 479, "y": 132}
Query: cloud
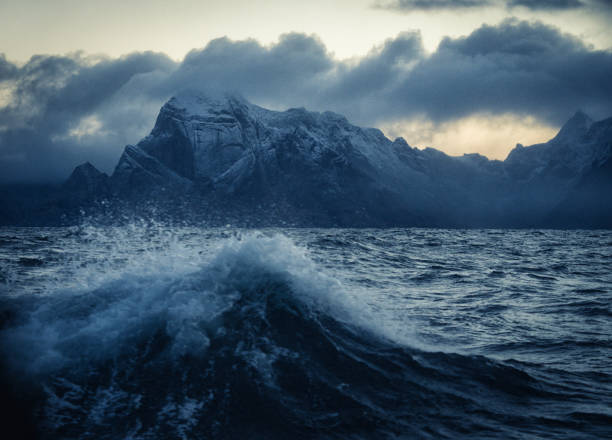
{"x": 7, "y": 69}
{"x": 601, "y": 5}
{"x": 520, "y": 67}
{"x": 429, "y": 5}
{"x": 287, "y": 68}
{"x": 51, "y": 96}
{"x": 547, "y": 4}
{"x": 355, "y": 88}
{"x": 64, "y": 110}
{"x": 433, "y": 5}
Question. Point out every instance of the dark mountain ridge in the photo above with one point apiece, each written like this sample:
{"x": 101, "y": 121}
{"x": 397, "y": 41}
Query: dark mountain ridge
{"x": 225, "y": 160}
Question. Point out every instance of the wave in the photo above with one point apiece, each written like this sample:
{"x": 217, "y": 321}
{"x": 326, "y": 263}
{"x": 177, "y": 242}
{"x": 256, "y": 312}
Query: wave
{"x": 254, "y": 341}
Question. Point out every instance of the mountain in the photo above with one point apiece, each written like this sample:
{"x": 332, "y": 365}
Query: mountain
{"x": 218, "y": 160}
{"x": 312, "y": 167}
{"x": 87, "y": 181}
{"x": 589, "y": 203}
{"x": 546, "y": 173}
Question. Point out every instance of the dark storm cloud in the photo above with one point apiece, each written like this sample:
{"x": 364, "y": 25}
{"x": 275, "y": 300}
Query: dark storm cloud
{"x": 286, "y": 68}
{"x": 428, "y": 5}
{"x": 519, "y": 67}
{"x": 65, "y": 110}
{"x": 7, "y": 69}
{"x": 603, "y": 5}
{"x": 380, "y": 68}
{"x": 547, "y": 4}
{"x": 362, "y": 90}
{"x": 73, "y": 85}
{"x": 50, "y": 95}
{"x": 296, "y": 71}
{"x": 535, "y": 5}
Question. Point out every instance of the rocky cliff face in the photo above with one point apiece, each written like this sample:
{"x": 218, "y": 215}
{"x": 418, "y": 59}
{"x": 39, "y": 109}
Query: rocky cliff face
{"x": 314, "y": 164}
{"x": 223, "y": 159}
{"x": 228, "y": 142}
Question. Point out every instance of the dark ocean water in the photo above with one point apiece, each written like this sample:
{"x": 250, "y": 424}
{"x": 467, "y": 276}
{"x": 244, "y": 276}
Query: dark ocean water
{"x": 150, "y": 332}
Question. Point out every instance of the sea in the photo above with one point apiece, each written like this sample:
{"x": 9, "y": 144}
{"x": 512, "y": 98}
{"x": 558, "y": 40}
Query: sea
{"x": 147, "y": 331}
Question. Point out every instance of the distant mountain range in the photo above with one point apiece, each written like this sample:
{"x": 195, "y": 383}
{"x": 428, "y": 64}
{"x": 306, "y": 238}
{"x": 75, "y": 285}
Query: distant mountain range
{"x": 224, "y": 160}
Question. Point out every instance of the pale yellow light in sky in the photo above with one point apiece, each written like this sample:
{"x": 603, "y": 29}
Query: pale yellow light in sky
{"x": 491, "y": 136}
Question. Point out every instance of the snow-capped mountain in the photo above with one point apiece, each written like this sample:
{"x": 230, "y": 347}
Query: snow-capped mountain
{"x": 315, "y": 164}
{"x": 570, "y": 153}
{"x": 222, "y": 159}
{"x": 228, "y": 141}
{"x": 321, "y": 168}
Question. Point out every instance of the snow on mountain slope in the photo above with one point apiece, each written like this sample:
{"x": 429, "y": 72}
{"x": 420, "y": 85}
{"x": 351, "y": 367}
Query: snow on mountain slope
{"x": 569, "y": 154}
{"x": 219, "y": 138}
{"x": 222, "y": 138}
{"x": 226, "y": 149}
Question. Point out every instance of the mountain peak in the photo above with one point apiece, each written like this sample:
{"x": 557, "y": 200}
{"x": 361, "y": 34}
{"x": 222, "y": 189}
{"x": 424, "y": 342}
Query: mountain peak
{"x": 87, "y": 170}
{"x": 85, "y": 177}
{"x": 576, "y": 127}
{"x": 200, "y": 103}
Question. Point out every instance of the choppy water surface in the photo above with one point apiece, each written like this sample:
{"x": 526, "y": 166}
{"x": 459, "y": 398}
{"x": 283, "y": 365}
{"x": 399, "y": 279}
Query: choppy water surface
{"x": 152, "y": 332}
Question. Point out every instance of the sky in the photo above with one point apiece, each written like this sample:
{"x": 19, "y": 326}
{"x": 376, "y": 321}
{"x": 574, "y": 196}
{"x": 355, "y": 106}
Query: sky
{"x": 81, "y": 79}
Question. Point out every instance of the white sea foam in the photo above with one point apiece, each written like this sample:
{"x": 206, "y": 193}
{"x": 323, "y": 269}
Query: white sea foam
{"x": 165, "y": 284}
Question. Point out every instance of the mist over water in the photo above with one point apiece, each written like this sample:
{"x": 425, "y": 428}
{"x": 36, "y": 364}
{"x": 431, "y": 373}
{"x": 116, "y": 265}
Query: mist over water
{"x": 146, "y": 331}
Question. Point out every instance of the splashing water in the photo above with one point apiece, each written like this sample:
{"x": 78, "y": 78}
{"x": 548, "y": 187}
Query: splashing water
{"x": 147, "y": 332}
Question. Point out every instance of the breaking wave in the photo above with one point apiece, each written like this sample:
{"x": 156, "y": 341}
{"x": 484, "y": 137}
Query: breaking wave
{"x": 251, "y": 341}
